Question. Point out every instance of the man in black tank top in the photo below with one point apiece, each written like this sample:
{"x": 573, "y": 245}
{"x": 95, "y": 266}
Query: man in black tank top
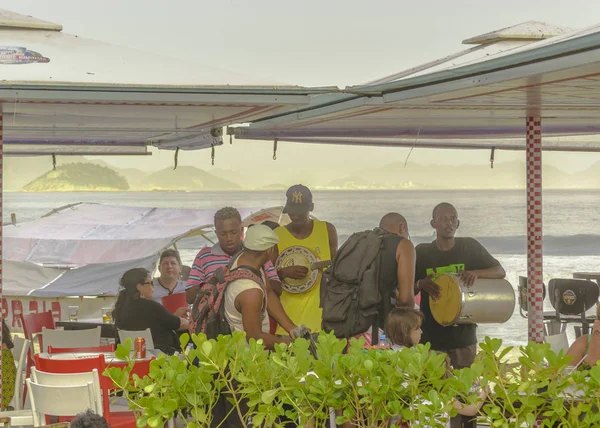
{"x": 397, "y": 268}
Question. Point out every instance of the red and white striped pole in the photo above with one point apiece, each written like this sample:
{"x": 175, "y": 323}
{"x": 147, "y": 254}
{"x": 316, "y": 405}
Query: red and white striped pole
{"x": 1, "y": 222}
{"x": 535, "y": 260}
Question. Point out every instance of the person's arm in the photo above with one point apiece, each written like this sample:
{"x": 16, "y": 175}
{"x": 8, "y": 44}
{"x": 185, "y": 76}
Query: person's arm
{"x": 492, "y": 269}
{"x": 594, "y": 350}
{"x": 293, "y": 272}
{"x": 406, "y": 261}
{"x": 470, "y": 409}
{"x": 249, "y": 304}
{"x": 275, "y": 309}
{"x": 195, "y": 279}
{"x": 424, "y": 283}
{"x": 577, "y": 350}
{"x": 272, "y": 278}
{"x": 169, "y": 320}
{"x": 333, "y": 239}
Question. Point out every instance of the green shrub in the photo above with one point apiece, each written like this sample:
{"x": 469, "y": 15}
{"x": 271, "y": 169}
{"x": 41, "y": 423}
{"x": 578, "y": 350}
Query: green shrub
{"x": 369, "y": 388}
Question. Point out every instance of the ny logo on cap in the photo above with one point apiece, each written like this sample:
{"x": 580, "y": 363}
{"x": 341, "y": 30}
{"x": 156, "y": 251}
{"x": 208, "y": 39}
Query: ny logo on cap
{"x": 297, "y": 197}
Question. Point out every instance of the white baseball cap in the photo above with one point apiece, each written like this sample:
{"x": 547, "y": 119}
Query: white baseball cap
{"x": 260, "y": 238}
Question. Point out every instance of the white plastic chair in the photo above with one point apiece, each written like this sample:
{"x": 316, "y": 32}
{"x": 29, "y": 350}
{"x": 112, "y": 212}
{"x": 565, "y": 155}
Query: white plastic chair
{"x": 558, "y": 342}
{"x": 19, "y": 352}
{"x": 71, "y": 379}
{"x": 59, "y": 400}
{"x": 133, "y": 334}
{"x": 19, "y": 418}
{"x": 71, "y": 338}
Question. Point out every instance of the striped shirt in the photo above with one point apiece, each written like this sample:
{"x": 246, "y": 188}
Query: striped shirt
{"x": 209, "y": 259}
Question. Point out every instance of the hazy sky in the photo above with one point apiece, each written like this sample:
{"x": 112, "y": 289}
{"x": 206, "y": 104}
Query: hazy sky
{"x": 312, "y": 43}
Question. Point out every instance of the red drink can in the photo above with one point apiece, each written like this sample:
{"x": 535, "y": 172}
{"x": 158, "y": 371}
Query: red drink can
{"x": 139, "y": 347}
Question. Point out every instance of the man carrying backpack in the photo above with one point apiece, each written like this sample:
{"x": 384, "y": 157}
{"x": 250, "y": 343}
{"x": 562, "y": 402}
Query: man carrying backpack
{"x": 229, "y": 230}
{"x": 372, "y": 270}
{"x": 246, "y": 299}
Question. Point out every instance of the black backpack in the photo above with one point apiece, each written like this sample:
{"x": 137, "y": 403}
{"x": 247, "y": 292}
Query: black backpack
{"x": 350, "y": 290}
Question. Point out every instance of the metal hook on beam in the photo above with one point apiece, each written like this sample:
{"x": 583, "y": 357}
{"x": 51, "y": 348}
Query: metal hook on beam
{"x": 492, "y": 157}
{"x": 176, "y": 158}
{"x": 275, "y": 149}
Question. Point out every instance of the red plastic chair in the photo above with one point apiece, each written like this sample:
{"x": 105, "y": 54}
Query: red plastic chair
{"x": 33, "y": 323}
{"x": 174, "y": 302}
{"x": 82, "y": 365}
{"x": 107, "y": 348}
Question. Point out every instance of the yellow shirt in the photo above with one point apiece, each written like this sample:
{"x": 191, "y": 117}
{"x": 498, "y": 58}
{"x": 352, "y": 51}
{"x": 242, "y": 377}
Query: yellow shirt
{"x": 303, "y": 308}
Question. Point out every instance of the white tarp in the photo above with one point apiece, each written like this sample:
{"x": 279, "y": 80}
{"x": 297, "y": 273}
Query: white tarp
{"x": 92, "y": 234}
{"x": 83, "y": 249}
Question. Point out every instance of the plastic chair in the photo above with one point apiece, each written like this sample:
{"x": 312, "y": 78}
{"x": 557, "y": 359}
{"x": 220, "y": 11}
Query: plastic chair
{"x": 71, "y": 338}
{"x": 133, "y": 334}
{"x": 33, "y": 324}
{"x": 71, "y": 379}
{"x": 98, "y": 349}
{"x": 174, "y": 302}
{"x": 59, "y": 400}
{"x": 17, "y": 418}
{"x": 558, "y": 342}
{"x": 20, "y": 351}
{"x": 116, "y": 417}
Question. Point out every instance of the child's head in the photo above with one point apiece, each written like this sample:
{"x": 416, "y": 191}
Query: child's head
{"x": 403, "y": 326}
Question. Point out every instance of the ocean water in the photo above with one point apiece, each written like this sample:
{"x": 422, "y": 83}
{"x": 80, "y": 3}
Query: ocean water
{"x": 496, "y": 218}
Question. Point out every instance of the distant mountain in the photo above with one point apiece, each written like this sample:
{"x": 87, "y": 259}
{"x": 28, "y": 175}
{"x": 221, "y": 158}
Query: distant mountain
{"x": 187, "y": 178}
{"x": 135, "y": 177}
{"x": 74, "y": 177}
{"x": 507, "y": 175}
{"x": 19, "y": 171}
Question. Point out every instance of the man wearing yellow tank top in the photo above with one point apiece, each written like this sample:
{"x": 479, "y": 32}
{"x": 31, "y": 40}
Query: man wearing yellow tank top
{"x": 305, "y": 246}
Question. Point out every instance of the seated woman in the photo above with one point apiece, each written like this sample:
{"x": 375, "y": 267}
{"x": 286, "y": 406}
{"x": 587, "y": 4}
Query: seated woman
{"x": 135, "y": 310}
{"x": 586, "y": 349}
{"x": 9, "y": 371}
{"x": 403, "y": 330}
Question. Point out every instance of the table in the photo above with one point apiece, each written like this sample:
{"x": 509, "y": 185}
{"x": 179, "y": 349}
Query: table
{"x": 109, "y": 357}
{"x": 591, "y": 276}
{"x": 107, "y": 330}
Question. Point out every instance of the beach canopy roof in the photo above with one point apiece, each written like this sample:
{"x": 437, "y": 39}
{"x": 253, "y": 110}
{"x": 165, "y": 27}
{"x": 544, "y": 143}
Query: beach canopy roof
{"x": 477, "y": 98}
{"x": 63, "y": 91}
{"x": 83, "y": 249}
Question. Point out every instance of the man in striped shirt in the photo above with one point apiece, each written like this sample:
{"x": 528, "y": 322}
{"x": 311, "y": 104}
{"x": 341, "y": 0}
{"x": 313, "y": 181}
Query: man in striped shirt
{"x": 228, "y": 227}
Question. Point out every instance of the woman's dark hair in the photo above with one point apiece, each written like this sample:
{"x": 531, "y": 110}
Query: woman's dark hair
{"x": 170, "y": 253}
{"x": 6, "y": 337}
{"x": 399, "y": 323}
{"x": 128, "y": 292}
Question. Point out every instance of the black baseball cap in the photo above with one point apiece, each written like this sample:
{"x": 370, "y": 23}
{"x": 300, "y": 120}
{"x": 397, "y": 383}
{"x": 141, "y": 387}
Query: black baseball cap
{"x": 299, "y": 200}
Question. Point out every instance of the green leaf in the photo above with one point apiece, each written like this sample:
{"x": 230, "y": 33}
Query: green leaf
{"x": 154, "y": 421}
{"x": 267, "y": 397}
{"x": 149, "y": 388}
{"x": 207, "y": 347}
{"x": 170, "y": 405}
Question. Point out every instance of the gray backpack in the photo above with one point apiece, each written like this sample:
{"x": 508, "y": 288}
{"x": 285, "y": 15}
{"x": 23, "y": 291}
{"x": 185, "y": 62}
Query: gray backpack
{"x": 350, "y": 292}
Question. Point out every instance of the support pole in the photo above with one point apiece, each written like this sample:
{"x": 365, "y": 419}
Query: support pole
{"x": 1, "y": 223}
{"x": 535, "y": 260}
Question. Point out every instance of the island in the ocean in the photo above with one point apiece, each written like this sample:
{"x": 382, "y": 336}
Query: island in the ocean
{"x": 73, "y": 177}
